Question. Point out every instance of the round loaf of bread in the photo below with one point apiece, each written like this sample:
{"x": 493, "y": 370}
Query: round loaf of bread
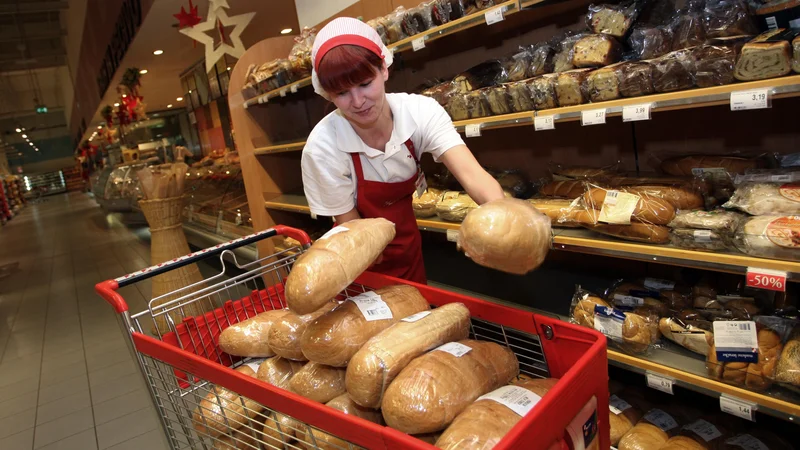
{"x": 643, "y": 436}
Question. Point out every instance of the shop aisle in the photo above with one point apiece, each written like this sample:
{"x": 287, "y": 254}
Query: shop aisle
{"x": 67, "y": 378}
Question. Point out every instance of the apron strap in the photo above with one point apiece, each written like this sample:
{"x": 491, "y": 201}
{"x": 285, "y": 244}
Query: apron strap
{"x": 412, "y": 150}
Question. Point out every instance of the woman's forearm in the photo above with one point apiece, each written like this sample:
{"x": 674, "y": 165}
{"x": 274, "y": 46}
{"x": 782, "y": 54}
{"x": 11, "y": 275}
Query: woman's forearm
{"x": 474, "y": 178}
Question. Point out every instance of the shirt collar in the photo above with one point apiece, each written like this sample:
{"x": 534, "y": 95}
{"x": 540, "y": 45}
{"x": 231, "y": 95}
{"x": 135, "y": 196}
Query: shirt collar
{"x": 404, "y": 127}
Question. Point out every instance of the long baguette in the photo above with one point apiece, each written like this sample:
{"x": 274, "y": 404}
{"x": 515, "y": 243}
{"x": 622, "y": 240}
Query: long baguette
{"x": 649, "y": 209}
{"x": 378, "y": 362}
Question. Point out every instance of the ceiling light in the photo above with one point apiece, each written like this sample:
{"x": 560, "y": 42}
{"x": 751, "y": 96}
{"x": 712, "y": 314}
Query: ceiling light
{"x": 124, "y": 95}
{"x": 180, "y": 99}
{"x": 169, "y": 106}
{"x": 229, "y": 68}
{"x": 31, "y": 143}
{"x": 19, "y": 130}
{"x": 286, "y": 31}
{"x": 143, "y": 71}
{"x": 116, "y": 104}
{"x": 190, "y": 91}
{"x": 99, "y": 127}
{"x": 158, "y": 52}
{"x": 24, "y": 136}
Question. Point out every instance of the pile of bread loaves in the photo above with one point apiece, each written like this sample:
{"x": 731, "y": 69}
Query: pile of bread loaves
{"x": 626, "y": 50}
{"x": 382, "y": 355}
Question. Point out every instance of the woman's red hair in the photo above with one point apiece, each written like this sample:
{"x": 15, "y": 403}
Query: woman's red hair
{"x": 346, "y": 66}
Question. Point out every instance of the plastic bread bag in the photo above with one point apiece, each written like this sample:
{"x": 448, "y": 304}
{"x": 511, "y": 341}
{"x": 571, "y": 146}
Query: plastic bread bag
{"x": 583, "y": 305}
{"x": 498, "y": 99}
{"x": 562, "y": 60}
{"x": 637, "y": 232}
{"x": 688, "y": 28}
{"x": 680, "y": 196}
{"x": 454, "y": 206}
{"x": 628, "y": 295}
{"x": 441, "y": 92}
{"x": 770, "y": 236}
{"x": 714, "y": 65}
{"x": 520, "y": 96}
{"x": 488, "y": 73}
{"x": 787, "y": 371}
{"x": 623, "y": 415}
{"x": 563, "y": 212}
{"x": 756, "y": 438}
{"x": 718, "y": 170}
{"x": 569, "y": 87}
{"x": 222, "y": 410}
{"x": 300, "y": 55}
{"x": 635, "y": 79}
{"x": 648, "y": 42}
{"x": 718, "y": 220}
{"x": 441, "y": 11}
{"x": 766, "y": 198}
{"x": 738, "y": 366}
{"x": 613, "y": 20}
{"x": 571, "y": 172}
{"x": 619, "y": 207}
{"x": 478, "y": 103}
{"x": 543, "y": 92}
{"x": 568, "y": 189}
{"x": 418, "y": 19}
{"x": 541, "y": 60}
{"x": 602, "y": 85}
{"x": 728, "y": 18}
{"x": 518, "y": 64}
{"x": 596, "y": 50}
{"x": 457, "y": 107}
{"x": 692, "y": 334}
{"x": 513, "y": 181}
{"x": 674, "y": 71}
{"x": 708, "y": 431}
{"x": 705, "y": 240}
{"x": 425, "y": 205}
{"x": 394, "y": 24}
{"x": 655, "y": 428}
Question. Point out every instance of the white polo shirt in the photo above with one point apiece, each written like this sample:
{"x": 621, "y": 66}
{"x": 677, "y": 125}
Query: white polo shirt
{"x": 329, "y": 178}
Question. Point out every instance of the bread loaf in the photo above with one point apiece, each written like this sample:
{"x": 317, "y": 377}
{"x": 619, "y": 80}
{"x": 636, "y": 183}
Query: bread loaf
{"x": 650, "y": 42}
{"x": 249, "y": 337}
{"x": 788, "y": 368}
{"x": 278, "y": 371}
{"x": 649, "y": 209}
{"x": 508, "y": 235}
{"x": 425, "y": 205}
{"x": 673, "y": 71}
{"x": 477, "y": 104}
{"x": 622, "y": 417}
{"x": 221, "y": 411}
{"x": 684, "y": 165}
{"x": 343, "y": 403}
{"x": 563, "y": 213}
{"x": 613, "y": 20}
{"x": 770, "y": 237}
{"x": 485, "y": 422}
{"x": 685, "y": 335}
{"x": 796, "y": 54}
{"x": 602, "y": 85}
{"x": 570, "y": 189}
{"x": 569, "y": 87}
{"x": 241, "y": 438}
{"x": 434, "y": 388}
{"x": 457, "y": 107}
{"x": 769, "y": 55}
{"x": 717, "y": 220}
{"x": 498, "y": 99}
{"x": 652, "y": 432}
{"x": 454, "y": 206}
{"x": 583, "y": 313}
{"x": 520, "y": 96}
{"x": 334, "y": 261}
{"x": 280, "y": 429}
{"x": 714, "y": 65}
{"x": 318, "y": 382}
{"x": 337, "y": 335}
{"x": 379, "y": 361}
{"x": 284, "y": 336}
{"x": 639, "y": 330}
{"x": 635, "y": 79}
{"x": 595, "y": 50}
{"x": 755, "y": 376}
{"x": 766, "y": 198}
{"x": 640, "y": 232}
{"x": 677, "y": 196}
{"x": 543, "y": 92}
{"x": 702, "y": 434}
{"x": 688, "y": 30}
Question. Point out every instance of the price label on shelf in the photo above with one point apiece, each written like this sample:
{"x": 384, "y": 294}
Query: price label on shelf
{"x": 593, "y": 117}
{"x": 659, "y": 382}
{"x": 738, "y": 407}
{"x": 293, "y": 89}
{"x": 473, "y": 130}
{"x": 263, "y": 99}
{"x": 283, "y": 92}
{"x": 452, "y": 235}
{"x": 772, "y": 280}
{"x": 493, "y": 16}
{"x": 636, "y": 112}
{"x": 544, "y": 123}
{"x": 754, "y": 99}
{"x": 418, "y": 43}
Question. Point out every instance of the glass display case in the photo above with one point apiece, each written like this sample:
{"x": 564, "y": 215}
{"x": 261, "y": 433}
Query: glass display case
{"x": 216, "y": 201}
{"x": 121, "y": 190}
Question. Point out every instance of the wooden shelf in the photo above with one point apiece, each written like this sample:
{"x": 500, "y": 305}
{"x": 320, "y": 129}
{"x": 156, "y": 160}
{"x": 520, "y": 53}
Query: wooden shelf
{"x": 280, "y": 148}
{"x": 586, "y": 242}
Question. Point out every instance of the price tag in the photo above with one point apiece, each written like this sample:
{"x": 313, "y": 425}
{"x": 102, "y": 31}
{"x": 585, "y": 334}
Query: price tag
{"x": 544, "y": 123}
{"x": 618, "y": 405}
{"x": 773, "y": 280}
{"x": 494, "y": 16}
{"x": 255, "y": 363}
{"x": 628, "y": 300}
{"x": 452, "y": 235}
{"x": 293, "y": 89}
{"x": 515, "y": 398}
{"x": 418, "y": 43}
{"x": 755, "y": 99}
{"x": 263, "y": 99}
{"x": 415, "y": 317}
{"x": 659, "y": 382}
{"x": 473, "y": 130}
{"x": 593, "y": 117}
{"x": 313, "y": 216}
{"x": 283, "y": 92}
{"x": 609, "y": 321}
{"x": 454, "y": 348}
{"x": 659, "y": 284}
{"x": 738, "y": 407}
{"x": 636, "y": 112}
{"x": 702, "y": 235}
{"x": 372, "y": 306}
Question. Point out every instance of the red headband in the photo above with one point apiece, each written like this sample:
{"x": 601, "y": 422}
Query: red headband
{"x": 347, "y": 39}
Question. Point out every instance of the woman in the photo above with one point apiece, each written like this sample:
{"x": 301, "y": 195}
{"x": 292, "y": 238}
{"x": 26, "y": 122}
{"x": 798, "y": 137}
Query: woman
{"x": 362, "y": 160}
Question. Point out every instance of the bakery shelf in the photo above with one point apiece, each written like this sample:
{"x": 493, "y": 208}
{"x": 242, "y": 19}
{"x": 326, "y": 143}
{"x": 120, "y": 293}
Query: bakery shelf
{"x": 464, "y": 23}
{"x": 280, "y": 148}
{"x": 587, "y": 242}
{"x": 694, "y": 98}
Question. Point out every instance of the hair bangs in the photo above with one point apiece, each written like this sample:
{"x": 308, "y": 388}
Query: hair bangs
{"x": 346, "y": 66}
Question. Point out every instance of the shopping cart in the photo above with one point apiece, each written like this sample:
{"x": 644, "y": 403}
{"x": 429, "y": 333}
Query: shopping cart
{"x": 184, "y": 366}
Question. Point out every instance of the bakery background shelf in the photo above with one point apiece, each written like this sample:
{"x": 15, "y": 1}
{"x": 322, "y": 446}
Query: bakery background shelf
{"x": 578, "y": 240}
{"x": 695, "y": 98}
{"x": 280, "y": 148}
{"x": 264, "y": 98}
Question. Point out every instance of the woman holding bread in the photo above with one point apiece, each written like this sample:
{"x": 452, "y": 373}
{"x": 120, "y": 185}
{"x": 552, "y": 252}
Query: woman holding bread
{"x": 362, "y": 160}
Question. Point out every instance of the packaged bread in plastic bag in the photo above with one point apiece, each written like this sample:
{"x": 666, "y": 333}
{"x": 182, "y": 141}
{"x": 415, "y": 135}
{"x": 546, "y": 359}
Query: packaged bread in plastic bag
{"x": 454, "y": 206}
{"x": 768, "y": 55}
{"x": 766, "y": 198}
{"x": 509, "y": 235}
{"x": 720, "y": 168}
{"x": 653, "y": 430}
{"x": 517, "y": 65}
{"x": 457, "y": 107}
{"x": 485, "y": 74}
{"x": 602, "y": 85}
{"x": 707, "y": 432}
{"x": 441, "y": 92}
{"x": 520, "y": 96}
{"x": 394, "y": 24}
{"x": 648, "y": 42}
{"x": 478, "y": 104}
{"x": 285, "y": 334}
{"x": 771, "y": 236}
{"x": 562, "y": 60}
{"x": 569, "y": 87}
{"x": 498, "y": 99}
{"x": 628, "y": 295}
{"x": 223, "y": 410}
{"x": 622, "y": 417}
{"x": 692, "y": 334}
{"x": 728, "y": 18}
{"x": 613, "y": 20}
{"x": 249, "y": 337}
{"x": 635, "y": 79}
{"x": 570, "y": 172}
{"x": 425, "y": 205}
{"x": 688, "y": 28}
{"x": 543, "y": 92}
{"x": 681, "y": 196}
{"x": 564, "y": 212}
{"x": 635, "y": 231}
{"x": 596, "y": 50}
{"x": 674, "y": 71}
{"x": 541, "y": 61}
{"x": 324, "y": 441}
{"x": 705, "y": 240}
{"x": 714, "y": 65}
{"x": 718, "y": 220}
{"x": 489, "y": 418}
{"x": 787, "y": 370}
{"x": 418, "y": 19}
{"x": 623, "y": 207}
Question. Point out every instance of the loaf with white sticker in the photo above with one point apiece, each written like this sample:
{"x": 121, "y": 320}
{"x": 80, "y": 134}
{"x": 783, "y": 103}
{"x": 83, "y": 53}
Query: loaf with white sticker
{"x": 648, "y": 208}
{"x": 337, "y": 335}
{"x": 285, "y": 334}
{"x": 334, "y": 261}
{"x": 378, "y": 362}
{"x": 484, "y": 423}
{"x": 433, "y": 389}
{"x": 249, "y": 337}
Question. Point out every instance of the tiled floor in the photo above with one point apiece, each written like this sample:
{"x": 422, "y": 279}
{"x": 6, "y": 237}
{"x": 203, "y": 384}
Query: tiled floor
{"x": 67, "y": 378}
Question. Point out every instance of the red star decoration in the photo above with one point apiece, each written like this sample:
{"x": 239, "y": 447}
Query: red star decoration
{"x": 189, "y": 19}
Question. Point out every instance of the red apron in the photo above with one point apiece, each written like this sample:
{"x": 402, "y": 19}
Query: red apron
{"x": 392, "y": 201}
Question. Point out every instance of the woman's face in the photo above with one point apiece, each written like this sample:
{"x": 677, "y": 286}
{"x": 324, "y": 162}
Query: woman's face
{"x": 363, "y": 103}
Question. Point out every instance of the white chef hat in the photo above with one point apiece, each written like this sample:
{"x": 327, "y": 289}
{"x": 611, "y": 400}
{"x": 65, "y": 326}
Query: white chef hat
{"x": 345, "y": 31}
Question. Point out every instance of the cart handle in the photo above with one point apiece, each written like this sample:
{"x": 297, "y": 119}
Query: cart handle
{"x": 107, "y": 289}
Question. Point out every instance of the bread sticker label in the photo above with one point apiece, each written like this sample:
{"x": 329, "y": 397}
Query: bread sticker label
{"x": 747, "y": 442}
{"x": 618, "y": 207}
{"x": 716, "y": 174}
{"x": 702, "y": 235}
{"x": 659, "y": 284}
{"x": 334, "y": 231}
{"x": 618, "y": 405}
{"x": 372, "y": 306}
{"x": 791, "y": 191}
{"x": 628, "y": 300}
{"x": 661, "y": 419}
{"x": 454, "y": 348}
{"x": 609, "y": 321}
{"x": 784, "y": 231}
{"x": 736, "y": 341}
{"x": 254, "y": 364}
{"x": 515, "y": 398}
{"x": 415, "y": 317}
{"x": 450, "y": 195}
{"x": 704, "y": 429}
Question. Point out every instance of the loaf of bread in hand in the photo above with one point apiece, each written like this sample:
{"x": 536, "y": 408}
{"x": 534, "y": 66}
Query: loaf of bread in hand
{"x": 379, "y": 361}
{"x": 485, "y": 422}
{"x": 337, "y": 335}
{"x": 285, "y": 334}
{"x": 334, "y": 261}
{"x": 324, "y": 441}
{"x": 508, "y": 235}
{"x": 249, "y": 337}
{"x": 318, "y": 382}
{"x": 769, "y": 55}
{"x": 222, "y": 411}
{"x": 595, "y": 50}
{"x": 434, "y": 388}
